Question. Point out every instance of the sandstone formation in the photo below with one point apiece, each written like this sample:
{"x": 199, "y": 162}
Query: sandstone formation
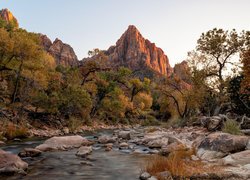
{"x": 63, "y": 143}
{"x": 11, "y": 163}
{"x": 7, "y": 16}
{"x": 63, "y": 53}
{"x": 139, "y": 54}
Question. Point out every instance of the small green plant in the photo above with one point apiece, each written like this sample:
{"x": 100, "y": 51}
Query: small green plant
{"x": 74, "y": 124}
{"x": 150, "y": 121}
{"x": 231, "y": 127}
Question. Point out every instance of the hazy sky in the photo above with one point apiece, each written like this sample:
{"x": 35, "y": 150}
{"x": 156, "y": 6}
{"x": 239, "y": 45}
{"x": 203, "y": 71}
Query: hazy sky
{"x": 174, "y": 25}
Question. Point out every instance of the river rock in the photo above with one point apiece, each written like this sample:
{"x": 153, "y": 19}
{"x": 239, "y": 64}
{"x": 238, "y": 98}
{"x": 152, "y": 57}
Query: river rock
{"x": 104, "y": 139}
{"x": 158, "y": 143}
{"x": 2, "y": 143}
{"x": 224, "y": 142}
{"x": 152, "y": 178}
{"x": 86, "y": 163}
{"x": 212, "y": 123}
{"x": 84, "y": 151}
{"x": 11, "y": 163}
{"x": 166, "y": 150}
{"x": 123, "y": 145}
{"x": 210, "y": 155}
{"x": 124, "y": 135}
{"x": 63, "y": 143}
{"x": 240, "y": 158}
{"x": 65, "y": 130}
{"x": 30, "y": 152}
{"x": 145, "y": 176}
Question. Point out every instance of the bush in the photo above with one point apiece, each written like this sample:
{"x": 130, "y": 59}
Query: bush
{"x": 150, "y": 121}
{"x": 231, "y": 127}
{"x": 74, "y": 124}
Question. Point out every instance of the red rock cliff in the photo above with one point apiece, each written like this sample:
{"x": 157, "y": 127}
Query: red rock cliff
{"x": 7, "y": 16}
{"x": 135, "y": 52}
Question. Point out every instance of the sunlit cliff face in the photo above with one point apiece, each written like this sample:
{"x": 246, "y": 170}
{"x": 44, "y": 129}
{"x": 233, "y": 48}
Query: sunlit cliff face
{"x": 6, "y": 15}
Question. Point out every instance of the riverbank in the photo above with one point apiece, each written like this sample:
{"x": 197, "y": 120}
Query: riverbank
{"x": 130, "y": 145}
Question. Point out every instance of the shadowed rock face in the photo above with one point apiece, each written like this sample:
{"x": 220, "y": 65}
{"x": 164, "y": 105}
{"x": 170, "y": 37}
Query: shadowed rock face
{"x": 63, "y": 53}
{"x": 6, "y": 15}
{"x": 137, "y": 53}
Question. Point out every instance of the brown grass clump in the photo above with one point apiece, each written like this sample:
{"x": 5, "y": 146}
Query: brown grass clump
{"x": 11, "y": 131}
{"x": 178, "y": 164}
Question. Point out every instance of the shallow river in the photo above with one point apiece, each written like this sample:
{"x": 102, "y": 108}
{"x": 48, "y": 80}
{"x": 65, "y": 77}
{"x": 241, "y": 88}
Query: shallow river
{"x": 64, "y": 165}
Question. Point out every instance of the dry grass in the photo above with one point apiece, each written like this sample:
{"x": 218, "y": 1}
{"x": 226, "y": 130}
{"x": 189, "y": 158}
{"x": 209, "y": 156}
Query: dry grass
{"x": 11, "y": 131}
{"x": 178, "y": 164}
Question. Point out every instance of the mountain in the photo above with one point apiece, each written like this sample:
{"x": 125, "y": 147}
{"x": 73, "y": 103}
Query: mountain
{"x": 63, "y": 53}
{"x": 132, "y": 50}
{"x": 7, "y": 16}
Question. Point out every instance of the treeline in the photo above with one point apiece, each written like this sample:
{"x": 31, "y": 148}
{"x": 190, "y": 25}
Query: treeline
{"x": 32, "y": 86}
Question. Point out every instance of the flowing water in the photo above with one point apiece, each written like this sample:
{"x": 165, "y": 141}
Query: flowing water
{"x": 64, "y": 165}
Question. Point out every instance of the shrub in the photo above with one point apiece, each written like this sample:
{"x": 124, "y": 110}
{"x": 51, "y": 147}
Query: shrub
{"x": 74, "y": 124}
{"x": 231, "y": 127}
{"x": 150, "y": 121}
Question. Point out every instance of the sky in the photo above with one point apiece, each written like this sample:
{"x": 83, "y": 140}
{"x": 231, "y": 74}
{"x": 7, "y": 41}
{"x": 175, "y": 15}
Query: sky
{"x": 173, "y": 25}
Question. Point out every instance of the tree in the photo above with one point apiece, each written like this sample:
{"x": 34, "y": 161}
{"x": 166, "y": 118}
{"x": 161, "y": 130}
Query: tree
{"x": 245, "y": 84}
{"x": 137, "y": 86}
{"x": 216, "y": 49}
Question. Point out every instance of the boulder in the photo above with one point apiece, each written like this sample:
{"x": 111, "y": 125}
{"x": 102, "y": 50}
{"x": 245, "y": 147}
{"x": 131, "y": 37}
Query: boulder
{"x": 87, "y": 163}
{"x": 166, "y": 150}
{"x": 2, "y": 143}
{"x": 123, "y": 145}
{"x": 158, "y": 143}
{"x": 11, "y": 163}
{"x": 209, "y": 155}
{"x": 240, "y": 158}
{"x": 104, "y": 139}
{"x": 124, "y": 134}
{"x": 212, "y": 123}
{"x": 84, "y": 151}
{"x": 145, "y": 176}
{"x": 30, "y": 152}
{"x": 224, "y": 142}
{"x": 63, "y": 143}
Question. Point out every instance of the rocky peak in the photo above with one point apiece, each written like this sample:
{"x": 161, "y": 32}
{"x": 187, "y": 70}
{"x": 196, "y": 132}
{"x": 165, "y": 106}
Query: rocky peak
{"x": 183, "y": 71}
{"x": 137, "y": 53}
{"x": 63, "y": 53}
{"x": 7, "y": 16}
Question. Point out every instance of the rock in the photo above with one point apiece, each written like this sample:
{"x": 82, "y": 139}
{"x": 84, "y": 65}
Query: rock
{"x": 152, "y": 178}
{"x": 224, "y": 142}
{"x": 65, "y": 130}
{"x": 212, "y": 123}
{"x": 124, "y": 135}
{"x": 167, "y": 149}
{"x": 63, "y": 143}
{"x": 84, "y": 151}
{"x": 165, "y": 175}
{"x": 133, "y": 51}
{"x": 240, "y": 158}
{"x": 158, "y": 143}
{"x": 86, "y": 163}
{"x": 104, "y": 139}
{"x": 30, "y": 152}
{"x": 2, "y": 143}
{"x": 11, "y": 163}
{"x": 7, "y": 16}
{"x": 145, "y": 176}
{"x": 123, "y": 145}
{"x": 109, "y": 145}
{"x": 209, "y": 155}
{"x": 63, "y": 53}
